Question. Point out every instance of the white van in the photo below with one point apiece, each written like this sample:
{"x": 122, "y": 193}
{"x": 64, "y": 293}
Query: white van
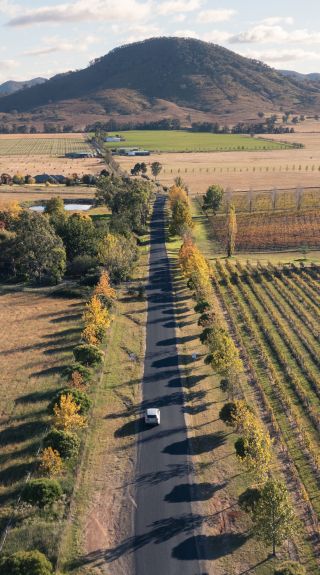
{"x": 152, "y": 416}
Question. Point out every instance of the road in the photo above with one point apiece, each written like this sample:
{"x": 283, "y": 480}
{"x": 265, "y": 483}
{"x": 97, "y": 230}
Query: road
{"x": 164, "y": 540}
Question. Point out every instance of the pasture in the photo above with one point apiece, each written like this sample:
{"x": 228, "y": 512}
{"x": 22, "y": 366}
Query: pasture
{"x": 39, "y": 332}
{"x": 258, "y": 170}
{"x": 183, "y": 141}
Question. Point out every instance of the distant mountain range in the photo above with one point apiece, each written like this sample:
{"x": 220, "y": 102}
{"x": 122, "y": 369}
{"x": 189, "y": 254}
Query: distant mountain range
{"x": 313, "y": 77}
{"x": 160, "y": 78}
{"x": 12, "y": 86}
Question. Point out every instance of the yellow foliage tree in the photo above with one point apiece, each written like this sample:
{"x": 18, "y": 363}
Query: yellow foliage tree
{"x": 96, "y": 319}
{"x": 51, "y": 462}
{"x": 177, "y": 193}
{"x": 66, "y": 414}
{"x": 104, "y": 288}
{"x": 254, "y": 447}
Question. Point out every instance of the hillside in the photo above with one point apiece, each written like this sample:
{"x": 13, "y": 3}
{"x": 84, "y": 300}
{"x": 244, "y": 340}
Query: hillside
{"x": 163, "y": 77}
{"x": 312, "y": 77}
{"x": 13, "y": 86}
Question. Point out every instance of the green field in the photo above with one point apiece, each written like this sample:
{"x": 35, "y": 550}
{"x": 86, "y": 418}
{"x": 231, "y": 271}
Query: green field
{"x": 42, "y": 146}
{"x": 183, "y": 141}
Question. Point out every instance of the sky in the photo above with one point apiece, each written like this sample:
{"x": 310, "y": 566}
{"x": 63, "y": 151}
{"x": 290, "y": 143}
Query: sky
{"x": 46, "y": 37}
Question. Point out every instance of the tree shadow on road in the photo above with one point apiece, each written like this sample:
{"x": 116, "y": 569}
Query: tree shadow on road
{"x": 209, "y": 547}
{"x": 197, "y": 445}
{"x": 193, "y": 492}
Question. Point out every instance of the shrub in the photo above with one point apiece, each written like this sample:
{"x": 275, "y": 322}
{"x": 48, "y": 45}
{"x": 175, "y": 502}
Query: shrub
{"x": 88, "y": 354}
{"x": 82, "y": 369}
{"x": 50, "y": 462}
{"x": 65, "y": 442}
{"x": 26, "y": 563}
{"x": 42, "y": 492}
{"x": 202, "y": 307}
{"x": 290, "y": 568}
{"x": 81, "y": 265}
{"x": 79, "y": 397}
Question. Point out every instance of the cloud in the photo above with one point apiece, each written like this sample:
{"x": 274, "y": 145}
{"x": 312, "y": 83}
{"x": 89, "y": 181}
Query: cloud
{"x": 7, "y": 66}
{"x": 82, "y": 10}
{"x": 277, "y": 20}
{"x": 55, "y": 44}
{"x": 8, "y": 8}
{"x": 285, "y": 55}
{"x": 216, "y": 36}
{"x": 186, "y": 34}
{"x": 136, "y": 33}
{"x": 263, "y": 33}
{"x": 173, "y": 6}
{"x": 210, "y": 16}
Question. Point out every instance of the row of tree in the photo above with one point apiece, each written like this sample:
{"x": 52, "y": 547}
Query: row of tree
{"x": 72, "y": 180}
{"x": 267, "y": 501}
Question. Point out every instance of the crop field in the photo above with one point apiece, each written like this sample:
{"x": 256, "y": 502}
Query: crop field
{"x": 42, "y": 146}
{"x": 274, "y": 312}
{"x": 182, "y": 141}
{"x": 39, "y": 332}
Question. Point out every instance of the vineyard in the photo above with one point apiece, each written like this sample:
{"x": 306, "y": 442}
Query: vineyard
{"x": 274, "y": 312}
{"x": 271, "y": 230}
{"x": 42, "y": 146}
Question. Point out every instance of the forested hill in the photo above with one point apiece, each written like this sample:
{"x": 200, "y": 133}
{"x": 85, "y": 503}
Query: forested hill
{"x": 168, "y": 73}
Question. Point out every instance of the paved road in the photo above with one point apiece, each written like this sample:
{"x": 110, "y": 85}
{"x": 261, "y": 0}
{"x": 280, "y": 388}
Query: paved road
{"x": 164, "y": 542}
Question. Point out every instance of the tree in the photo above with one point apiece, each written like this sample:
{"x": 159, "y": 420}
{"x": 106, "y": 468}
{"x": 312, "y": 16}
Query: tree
{"x": 66, "y": 443}
{"x": 273, "y": 516}
{"x": 96, "y": 320}
{"x": 66, "y": 414}
{"x": 84, "y": 371}
{"x": 223, "y": 353}
{"x": 38, "y": 252}
{"x": 234, "y": 413}
{"x": 104, "y": 291}
{"x": 181, "y": 218}
{"x": 231, "y": 230}
{"x": 79, "y": 235}
{"x": 26, "y": 563}
{"x": 156, "y": 168}
{"x": 50, "y": 462}
{"x": 87, "y": 354}
{"x": 213, "y": 198}
{"x": 118, "y": 253}
{"x": 79, "y": 396}
{"x": 42, "y": 492}
{"x": 54, "y": 206}
{"x": 254, "y": 447}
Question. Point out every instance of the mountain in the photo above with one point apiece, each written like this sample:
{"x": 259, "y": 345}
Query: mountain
{"x": 163, "y": 77}
{"x": 12, "y": 86}
{"x": 313, "y": 77}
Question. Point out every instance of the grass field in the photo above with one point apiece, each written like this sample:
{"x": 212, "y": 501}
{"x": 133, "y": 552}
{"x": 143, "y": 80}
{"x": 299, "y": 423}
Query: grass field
{"x": 39, "y": 332}
{"x": 182, "y": 141}
{"x": 42, "y": 146}
{"x": 26, "y": 194}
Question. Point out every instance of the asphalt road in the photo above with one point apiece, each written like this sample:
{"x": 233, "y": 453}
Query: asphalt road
{"x": 164, "y": 542}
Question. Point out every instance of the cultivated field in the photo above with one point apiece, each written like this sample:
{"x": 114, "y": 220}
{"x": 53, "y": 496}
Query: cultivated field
{"x": 39, "y": 145}
{"x": 259, "y": 170}
{"x": 182, "y": 141}
{"x": 39, "y": 332}
{"x": 41, "y": 193}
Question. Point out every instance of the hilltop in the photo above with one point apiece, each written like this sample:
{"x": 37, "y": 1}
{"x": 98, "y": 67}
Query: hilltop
{"x": 163, "y": 77}
{"x": 12, "y": 86}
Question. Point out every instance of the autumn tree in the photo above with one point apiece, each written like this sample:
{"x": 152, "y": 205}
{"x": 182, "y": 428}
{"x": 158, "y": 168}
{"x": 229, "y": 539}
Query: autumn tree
{"x": 213, "y": 198}
{"x": 273, "y": 516}
{"x": 181, "y": 218}
{"x": 254, "y": 446}
{"x": 104, "y": 291}
{"x": 66, "y": 414}
{"x": 96, "y": 320}
{"x": 50, "y": 462}
{"x": 223, "y": 353}
{"x": 231, "y": 230}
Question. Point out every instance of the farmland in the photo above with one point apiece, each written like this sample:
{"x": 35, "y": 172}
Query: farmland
{"x": 42, "y": 146}
{"x": 183, "y": 141}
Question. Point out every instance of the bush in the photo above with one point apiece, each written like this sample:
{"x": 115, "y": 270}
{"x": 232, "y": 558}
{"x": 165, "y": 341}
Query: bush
{"x": 290, "y": 568}
{"x": 228, "y": 413}
{"x": 42, "y": 492}
{"x": 65, "y": 442}
{"x": 80, "y": 398}
{"x": 202, "y": 307}
{"x": 82, "y": 369}
{"x": 88, "y": 354}
{"x": 81, "y": 265}
{"x": 26, "y": 563}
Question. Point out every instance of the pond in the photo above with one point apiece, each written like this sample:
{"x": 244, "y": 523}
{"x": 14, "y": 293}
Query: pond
{"x": 67, "y": 207}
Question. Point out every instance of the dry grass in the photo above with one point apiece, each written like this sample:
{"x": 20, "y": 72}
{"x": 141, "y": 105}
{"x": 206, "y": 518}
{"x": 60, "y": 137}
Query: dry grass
{"x": 244, "y": 170}
{"x": 38, "y": 334}
{"x": 39, "y": 192}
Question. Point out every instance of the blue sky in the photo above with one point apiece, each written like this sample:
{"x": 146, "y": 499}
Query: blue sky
{"x": 44, "y": 37}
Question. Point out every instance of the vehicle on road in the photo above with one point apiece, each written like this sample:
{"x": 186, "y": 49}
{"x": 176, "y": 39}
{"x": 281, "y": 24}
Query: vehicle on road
{"x": 152, "y": 416}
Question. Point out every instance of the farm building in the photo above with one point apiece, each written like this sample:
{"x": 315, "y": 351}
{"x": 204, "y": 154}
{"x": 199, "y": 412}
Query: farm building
{"x": 77, "y": 155}
{"x": 131, "y": 152}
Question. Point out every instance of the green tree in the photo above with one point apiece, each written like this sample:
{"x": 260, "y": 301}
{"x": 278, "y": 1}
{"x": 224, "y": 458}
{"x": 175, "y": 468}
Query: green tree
{"x": 25, "y": 563}
{"x": 273, "y": 516}
{"x": 213, "y": 198}
{"x": 88, "y": 354}
{"x": 79, "y": 235}
{"x": 66, "y": 443}
{"x": 118, "y": 254}
{"x": 181, "y": 218}
{"x": 38, "y": 252}
{"x": 54, "y": 206}
{"x": 156, "y": 168}
{"x": 231, "y": 230}
{"x": 223, "y": 353}
{"x": 42, "y": 492}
